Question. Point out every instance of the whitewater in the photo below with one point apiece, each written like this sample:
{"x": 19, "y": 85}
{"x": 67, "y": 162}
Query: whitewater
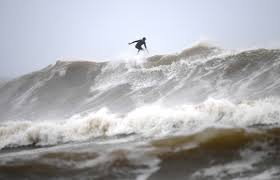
{"x": 202, "y": 113}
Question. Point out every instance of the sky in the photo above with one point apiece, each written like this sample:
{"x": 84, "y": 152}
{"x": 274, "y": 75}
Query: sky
{"x": 36, "y": 33}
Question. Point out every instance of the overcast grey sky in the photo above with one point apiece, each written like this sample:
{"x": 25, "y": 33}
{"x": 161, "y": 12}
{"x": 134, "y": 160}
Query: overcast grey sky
{"x": 36, "y": 33}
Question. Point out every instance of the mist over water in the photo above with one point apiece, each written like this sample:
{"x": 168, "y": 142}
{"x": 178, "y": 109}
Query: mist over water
{"x": 218, "y": 107}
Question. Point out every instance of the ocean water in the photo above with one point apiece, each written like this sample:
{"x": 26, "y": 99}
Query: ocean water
{"x": 204, "y": 113}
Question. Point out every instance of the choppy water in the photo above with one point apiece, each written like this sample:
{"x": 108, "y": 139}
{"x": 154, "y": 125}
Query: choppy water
{"x": 204, "y": 113}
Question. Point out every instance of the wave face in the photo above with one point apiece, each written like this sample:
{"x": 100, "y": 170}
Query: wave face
{"x": 192, "y": 76}
{"x": 219, "y": 107}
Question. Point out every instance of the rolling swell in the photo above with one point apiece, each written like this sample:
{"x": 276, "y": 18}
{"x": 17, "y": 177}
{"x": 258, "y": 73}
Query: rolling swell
{"x": 220, "y": 154}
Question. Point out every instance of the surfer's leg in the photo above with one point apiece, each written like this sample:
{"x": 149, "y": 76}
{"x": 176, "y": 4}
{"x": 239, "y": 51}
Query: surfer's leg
{"x": 139, "y": 49}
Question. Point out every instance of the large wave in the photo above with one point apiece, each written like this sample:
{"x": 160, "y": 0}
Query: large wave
{"x": 203, "y": 86}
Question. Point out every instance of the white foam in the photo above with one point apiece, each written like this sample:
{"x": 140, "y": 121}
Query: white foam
{"x": 151, "y": 120}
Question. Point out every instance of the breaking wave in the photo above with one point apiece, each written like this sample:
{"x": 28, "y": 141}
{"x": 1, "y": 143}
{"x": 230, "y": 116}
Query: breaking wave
{"x": 148, "y": 121}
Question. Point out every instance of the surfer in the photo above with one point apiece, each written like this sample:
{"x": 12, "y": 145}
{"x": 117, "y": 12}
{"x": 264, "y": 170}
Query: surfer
{"x": 139, "y": 44}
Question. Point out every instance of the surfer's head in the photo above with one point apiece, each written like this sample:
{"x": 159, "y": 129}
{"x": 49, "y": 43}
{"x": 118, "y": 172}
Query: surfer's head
{"x": 144, "y": 39}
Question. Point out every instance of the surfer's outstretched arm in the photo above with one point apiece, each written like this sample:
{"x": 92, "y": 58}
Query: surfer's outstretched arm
{"x": 133, "y": 42}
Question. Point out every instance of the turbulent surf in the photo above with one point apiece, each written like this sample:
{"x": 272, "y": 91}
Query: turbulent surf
{"x": 203, "y": 113}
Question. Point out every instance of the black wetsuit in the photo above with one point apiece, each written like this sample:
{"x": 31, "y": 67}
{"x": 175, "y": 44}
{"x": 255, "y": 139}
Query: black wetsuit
{"x": 139, "y": 44}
